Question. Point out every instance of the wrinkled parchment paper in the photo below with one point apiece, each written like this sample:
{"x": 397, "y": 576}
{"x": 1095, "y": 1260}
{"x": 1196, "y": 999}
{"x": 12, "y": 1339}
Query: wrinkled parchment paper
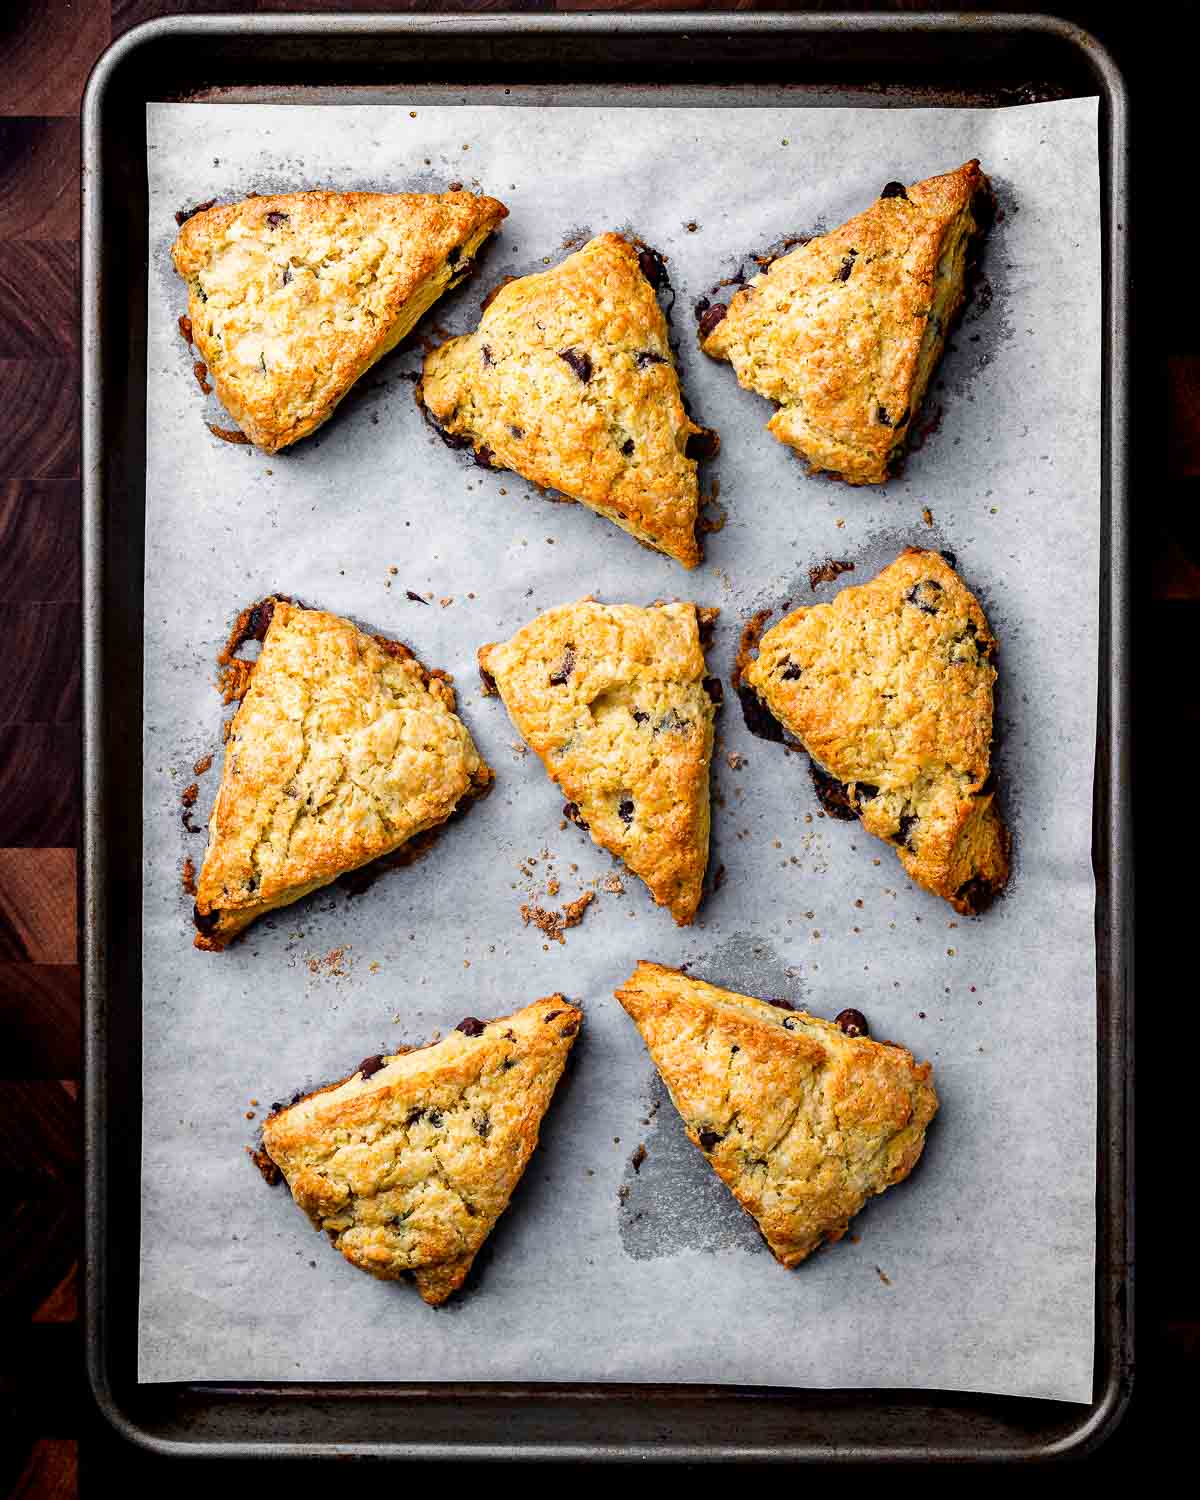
{"x": 976, "y": 1274}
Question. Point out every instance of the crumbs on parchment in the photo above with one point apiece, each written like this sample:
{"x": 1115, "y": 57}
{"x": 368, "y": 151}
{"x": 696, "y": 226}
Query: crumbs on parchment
{"x": 554, "y": 923}
{"x": 187, "y": 876}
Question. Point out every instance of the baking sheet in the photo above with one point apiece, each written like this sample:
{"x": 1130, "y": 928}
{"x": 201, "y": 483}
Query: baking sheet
{"x": 978, "y": 1273}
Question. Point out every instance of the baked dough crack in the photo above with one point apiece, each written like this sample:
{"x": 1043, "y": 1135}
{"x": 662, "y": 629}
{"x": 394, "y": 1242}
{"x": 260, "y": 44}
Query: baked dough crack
{"x": 821, "y": 1120}
{"x": 343, "y": 749}
{"x": 292, "y": 297}
{"x": 844, "y": 332}
{"x": 889, "y": 687}
{"x": 613, "y": 699}
{"x": 569, "y": 381}
{"x": 407, "y": 1164}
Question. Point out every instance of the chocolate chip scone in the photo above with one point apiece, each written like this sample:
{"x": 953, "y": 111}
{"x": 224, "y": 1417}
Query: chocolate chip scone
{"x": 569, "y": 381}
{"x": 407, "y": 1164}
{"x": 292, "y": 297}
{"x": 844, "y": 333}
{"x": 889, "y": 688}
{"x": 802, "y": 1121}
{"x": 344, "y": 748}
{"x": 615, "y": 701}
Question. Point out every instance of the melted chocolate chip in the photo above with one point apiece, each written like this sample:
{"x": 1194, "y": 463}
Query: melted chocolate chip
{"x": 976, "y": 895}
{"x": 483, "y": 1125}
{"x": 550, "y": 1015}
{"x": 925, "y": 595}
{"x": 485, "y": 355}
{"x": 852, "y": 1022}
{"x": 451, "y": 439}
{"x": 789, "y": 1025}
{"x": 864, "y": 792}
{"x": 951, "y": 559}
{"x": 780, "y": 1003}
{"x": 715, "y": 689}
{"x": 833, "y": 795}
{"x": 206, "y": 922}
{"x": 625, "y": 811}
{"x": 571, "y": 811}
{"x": 413, "y": 1116}
{"x": 416, "y": 598}
{"x": 710, "y": 317}
{"x": 579, "y": 361}
{"x": 275, "y": 219}
{"x": 908, "y": 821}
{"x": 709, "y": 1140}
{"x": 483, "y": 456}
{"x": 639, "y": 717}
{"x": 569, "y": 1029}
{"x": 370, "y": 1066}
{"x": 704, "y": 444}
{"x": 882, "y": 417}
{"x": 517, "y": 432}
{"x": 791, "y": 672}
{"x": 453, "y": 254}
{"x": 652, "y": 266}
{"x": 434, "y": 1117}
{"x": 627, "y": 447}
{"x": 843, "y": 272}
{"x": 758, "y": 720}
{"x": 470, "y": 1026}
{"x": 287, "y": 274}
{"x": 648, "y": 357}
{"x": 894, "y": 190}
{"x": 565, "y": 667}
{"x": 185, "y": 214}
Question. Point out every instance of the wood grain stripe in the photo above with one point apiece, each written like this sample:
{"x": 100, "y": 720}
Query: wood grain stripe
{"x": 40, "y": 1019}
{"x": 40, "y": 541}
{"x": 43, "y": 647}
{"x": 49, "y": 47}
{"x": 39, "y": 434}
{"x": 37, "y": 905}
{"x": 39, "y": 179}
{"x": 39, "y": 299}
{"x": 39, "y": 785}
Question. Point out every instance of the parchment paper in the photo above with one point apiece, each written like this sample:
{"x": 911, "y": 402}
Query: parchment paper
{"x": 976, "y": 1274}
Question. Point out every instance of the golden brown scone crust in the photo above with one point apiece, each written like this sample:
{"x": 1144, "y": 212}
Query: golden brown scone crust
{"x": 844, "y": 332}
{"x": 616, "y": 439}
{"x": 889, "y": 688}
{"x": 343, "y": 749}
{"x": 802, "y": 1123}
{"x": 409, "y": 1168}
{"x": 292, "y": 297}
{"x": 612, "y": 698}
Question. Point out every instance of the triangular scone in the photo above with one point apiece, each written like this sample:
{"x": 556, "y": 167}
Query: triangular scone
{"x": 844, "y": 333}
{"x": 889, "y": 688}
{"x": 615, "y": 701}
{"x": 569, "y": 380}
{"x": 343, "y": 749}
{"x": 802, "y": 1122}
{"x": 407, "y": 1164}
{"x": 292, "y": 297}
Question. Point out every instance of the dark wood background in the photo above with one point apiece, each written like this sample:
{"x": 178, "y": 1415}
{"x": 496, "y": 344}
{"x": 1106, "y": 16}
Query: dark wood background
{"x": 52, "y": 1441}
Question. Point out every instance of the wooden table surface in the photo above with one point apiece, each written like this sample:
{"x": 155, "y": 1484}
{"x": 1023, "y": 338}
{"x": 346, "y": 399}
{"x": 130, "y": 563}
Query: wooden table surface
{"x": 52, "y": 1441}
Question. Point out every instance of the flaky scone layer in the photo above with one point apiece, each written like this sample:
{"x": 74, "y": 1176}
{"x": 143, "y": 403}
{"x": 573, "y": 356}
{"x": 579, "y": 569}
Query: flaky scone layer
{"x": 844, "y": 332}
{"x": 889, "y": 687}
{"x": 612, "y": 698}
{"x": 292, "y": 297}
{"x": 569, "y": 380}
{"x": 343, "y": 749}
{"x": 800, "y": 1121}
{"x": 407, "y": 1164}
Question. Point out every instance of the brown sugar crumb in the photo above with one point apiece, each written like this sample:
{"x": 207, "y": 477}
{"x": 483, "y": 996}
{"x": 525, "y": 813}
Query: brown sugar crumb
{"x": 189, "y": 794}
{"x": 185, "y": 328}
{"x": 202, "y": 765}
{"x": 445, "y": 603}
{"x": 827, "y": 571}
{"x": 332, "y": 963}
{"x": 927, "y": 516}
{"x": 270, "y": 1172}
{"x": 574, "y": 910}
{"x": 552, "y": 888}
{"x": 638, "y": 1157}
{"x": 227, "y": 434}
{"x": 735, "y": 761}
{"x": 200, "y": 371}
{"x": 612, "y": 884}
{"x": 187, "y": 876}
{"x": 548, "y": 922}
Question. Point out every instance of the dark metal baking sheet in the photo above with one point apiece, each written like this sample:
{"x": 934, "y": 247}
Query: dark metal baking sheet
{"x": 824, "y": 60}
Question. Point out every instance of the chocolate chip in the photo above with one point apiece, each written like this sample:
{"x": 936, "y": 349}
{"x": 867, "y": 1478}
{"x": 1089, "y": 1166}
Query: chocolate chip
{"x": 715, "y": 689}
{"x": 483, "y": 1125}
{"x": 370, "y": 1066}
{"x": 639, "y": 717}
{"x": 413, "y": 1116}
{"x": 550, "y": 1015}
{"x": 470, "y": 1026}
{"x": 206, "y": 922}
{"x": 703, "y": 444}
{"x": 652, "y": 266}
{"x": 579, "y": 361}
{"x": 865, "y": 792}
{"x": 565, "y": 667}
{"x": 710, "y": 317}
{"x": 709, "y": 1140}
{"x": 908, "y": 821}
{"x": 483, "y": 456}
{"x": 789, "y": 1025}
{"x": 780, "y": 1003}
{"x": 894, "y": 190}
{"x": 950, "y": 558}
{"x": 434, "y": 1117}
{"x": 791, "y": 672}
{"x": 186, "y": 213}
{"x": 648, "y": 357}
{"x": 287, "y": 274}
{"x": 625, "y": 811}
{"x": 453, "y": 254}
{"x": 881, "y": 416}
{"x": 517, "y": 432}
{"x": 627, "y": 447}
{"x": 275, "y": 219}
{"x": 416, "y": 598}
{"x": 571, "y": 810}
{"x": 833, "y": 795}
{"x": 852, "y": 1022}
{"x": 843, "y": 273}
{"x": 975, "y": 895}
{"x": 569, "y": 1029}
{"x": 924, "y": 595}
{"x": 485, "y": 354}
